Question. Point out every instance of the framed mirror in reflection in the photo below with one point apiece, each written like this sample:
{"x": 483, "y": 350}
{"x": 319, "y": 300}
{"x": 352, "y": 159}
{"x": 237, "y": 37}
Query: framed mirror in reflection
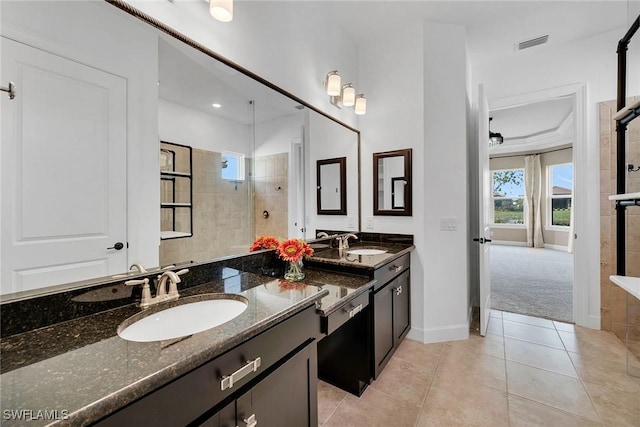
{"x": 392, "y": 183}
{"x": 86, "y": 203}
{"x": 332, "y": 186}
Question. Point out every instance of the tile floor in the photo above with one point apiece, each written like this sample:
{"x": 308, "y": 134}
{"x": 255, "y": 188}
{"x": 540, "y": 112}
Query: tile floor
{"x": 527, "y": 371}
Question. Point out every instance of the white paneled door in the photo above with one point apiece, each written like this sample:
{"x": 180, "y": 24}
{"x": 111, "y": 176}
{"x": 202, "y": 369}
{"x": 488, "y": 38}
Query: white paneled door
{"x": 63, "y": 170}
{"x": 484, "y": 213}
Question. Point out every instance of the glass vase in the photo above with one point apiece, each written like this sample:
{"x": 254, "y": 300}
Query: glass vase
{"x": 294, "y": 272}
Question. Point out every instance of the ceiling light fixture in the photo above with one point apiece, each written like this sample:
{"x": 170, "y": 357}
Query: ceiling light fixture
{"x": 216, "y": 105}
{"x": 495, "y": 138}
{"x": 222, "y": 10}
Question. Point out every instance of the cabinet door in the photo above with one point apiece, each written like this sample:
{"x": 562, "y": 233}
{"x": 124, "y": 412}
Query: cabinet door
{"x": 401, "y": 307}
{"x": 382, "y": 327}
{"x": 287, "y": 397}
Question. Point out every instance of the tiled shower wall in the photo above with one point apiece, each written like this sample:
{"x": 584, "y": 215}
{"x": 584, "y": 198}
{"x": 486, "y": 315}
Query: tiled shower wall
{"x": 613, "y": 299}
{"x": 221, "y": 214}
{"x": 271, "y": 195}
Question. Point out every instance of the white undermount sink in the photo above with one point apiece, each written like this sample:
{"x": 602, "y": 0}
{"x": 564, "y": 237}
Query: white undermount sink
{"x": 365, "y": 251}
{"x": 192, "y": 315}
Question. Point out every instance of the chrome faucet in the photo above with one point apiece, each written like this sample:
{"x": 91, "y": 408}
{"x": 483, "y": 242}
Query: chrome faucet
{"x": 321, "y": 234}
{"x": 162, "y": 293}
{"x": 345, "y": 240}
{"x": 138, "y": 267}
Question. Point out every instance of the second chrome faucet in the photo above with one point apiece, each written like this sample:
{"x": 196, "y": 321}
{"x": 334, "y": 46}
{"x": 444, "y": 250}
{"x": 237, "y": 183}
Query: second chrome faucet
{"x": 162, "y": 293}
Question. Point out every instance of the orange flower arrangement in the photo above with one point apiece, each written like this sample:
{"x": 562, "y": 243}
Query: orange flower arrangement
{"x": 264, "y": 242}
{"x": 293, "y": 250}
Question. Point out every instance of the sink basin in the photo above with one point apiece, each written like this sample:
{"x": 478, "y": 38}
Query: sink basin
{"x": 365, "y": 251}
{"x": 189, "y": 316}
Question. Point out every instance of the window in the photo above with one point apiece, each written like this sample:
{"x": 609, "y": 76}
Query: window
{"x": 508, "y": 196}
{"x": 560, "y": 178}
{"x": 233, "y": 166}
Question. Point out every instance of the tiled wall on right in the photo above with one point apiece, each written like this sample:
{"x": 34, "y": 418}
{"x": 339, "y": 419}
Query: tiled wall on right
{"x": 615, "y": 315}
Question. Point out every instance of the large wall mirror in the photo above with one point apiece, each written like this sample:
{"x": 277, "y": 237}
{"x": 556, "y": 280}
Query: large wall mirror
{"x": 98, "y": 89}
{"x": 392, "y": 183}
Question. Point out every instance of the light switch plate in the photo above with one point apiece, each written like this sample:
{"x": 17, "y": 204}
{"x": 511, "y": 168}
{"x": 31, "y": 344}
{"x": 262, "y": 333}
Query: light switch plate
{"x": 369, "y": 223}
{"x": 351, "y": 223}
{"x": 448, "y": 224}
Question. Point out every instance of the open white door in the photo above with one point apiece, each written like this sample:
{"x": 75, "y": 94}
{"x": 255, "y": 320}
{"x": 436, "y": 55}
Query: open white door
{"x": 63, "y": 170}
{"x": 484, "y": 193}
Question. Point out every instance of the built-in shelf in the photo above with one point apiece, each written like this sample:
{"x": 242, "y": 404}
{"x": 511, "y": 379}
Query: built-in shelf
{"x": 628, "y": 283}
{"x": 628, "y": 113}
{"x": 178, "y": 174}
{"x": 173, "y": 234}
{"x": 175, "y": 205}
{"x": 626, "y": 196}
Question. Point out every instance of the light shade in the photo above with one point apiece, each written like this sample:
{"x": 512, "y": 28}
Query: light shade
{"x": 348, "y": 95}
{"x": 333, "y": 83}
{"x": 361, "y": 105}
{"x": 222, "y": 10}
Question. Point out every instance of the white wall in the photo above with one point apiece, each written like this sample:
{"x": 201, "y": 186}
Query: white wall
{"x": 275, "y": 136}
{"x": 184, "y": 125}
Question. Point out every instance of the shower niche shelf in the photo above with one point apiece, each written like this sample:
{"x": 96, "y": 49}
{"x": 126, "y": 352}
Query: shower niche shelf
{"x": 176, "y": 191}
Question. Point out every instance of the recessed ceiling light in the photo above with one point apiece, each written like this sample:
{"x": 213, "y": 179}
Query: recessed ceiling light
{"x": 216, "y": 105}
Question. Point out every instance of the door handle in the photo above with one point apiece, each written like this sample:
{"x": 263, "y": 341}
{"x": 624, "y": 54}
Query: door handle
{"x": 482, "y": 240}
{"x": 117, "y": 246}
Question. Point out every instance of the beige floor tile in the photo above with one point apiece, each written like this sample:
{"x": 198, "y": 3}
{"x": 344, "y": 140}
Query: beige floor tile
{"x": 426, "y": 355}
{"x": 539, "y": 356}
{"x": 492, "y": 345}
{"x": 527, "y": 413}
{"x": 451, "y": 405}
{"x": 405, "y": 381}
{"x": 521, "y": 318}
{"x": 467, "y": 369}
{"x": 616, "y": 407}
{"x": 373, "y": 408}
{"x": 602, "y": 344}
{"x": 329, "y": 397}
{"x": 495, "y": 326}
{"x": 562, "y": 326}
{"x": 531, "y": 333}
{"x": 495, "y": 313}
{"x": 552, "y": 389}
{"x": 595, "y": 369}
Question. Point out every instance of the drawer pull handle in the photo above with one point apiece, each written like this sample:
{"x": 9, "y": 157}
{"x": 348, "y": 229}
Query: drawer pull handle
{"x": 251, "y": 421}
{"x": 355, "y": 310}
{"x": 398, "y": 290}
{"x": 229, "y": 380}
{"x": 395, "y": 268}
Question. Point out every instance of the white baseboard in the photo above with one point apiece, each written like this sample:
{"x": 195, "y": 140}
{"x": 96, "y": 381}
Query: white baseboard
{"x": 449, "y": 333}
{"x": 508, "y": 243}
{"x": 555, "y": 247}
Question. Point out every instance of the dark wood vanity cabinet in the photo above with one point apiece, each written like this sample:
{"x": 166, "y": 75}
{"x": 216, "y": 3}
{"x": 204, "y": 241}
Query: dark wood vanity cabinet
{"x": 391, "y": 311}
{"x": 281, "y": 399}
{"x": 280, "y": 389}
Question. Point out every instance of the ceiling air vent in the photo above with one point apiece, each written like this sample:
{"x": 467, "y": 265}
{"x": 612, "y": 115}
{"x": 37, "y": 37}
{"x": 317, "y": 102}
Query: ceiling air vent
{"x": 533, "y": 42}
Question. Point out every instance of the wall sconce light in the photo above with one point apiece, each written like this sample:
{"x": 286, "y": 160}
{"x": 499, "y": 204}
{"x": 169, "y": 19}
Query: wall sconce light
{"x": 348, "y": 95}
{"x": 332, "y": 83}
{"x": 222, "y": 10}
{"x": 360, "y": 104}
{"x": 344, "y": 95}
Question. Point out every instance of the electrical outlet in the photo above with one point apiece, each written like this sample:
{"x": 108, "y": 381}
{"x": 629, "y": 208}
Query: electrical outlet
{"x": 369, "y": 223}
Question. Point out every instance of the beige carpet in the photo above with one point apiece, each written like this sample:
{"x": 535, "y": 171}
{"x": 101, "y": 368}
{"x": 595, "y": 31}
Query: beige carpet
{"x": 535, "y": 282}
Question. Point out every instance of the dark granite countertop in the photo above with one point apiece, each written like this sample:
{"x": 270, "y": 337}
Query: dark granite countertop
{"x": 83, "y": 370}
{"x": 368, "y": 263}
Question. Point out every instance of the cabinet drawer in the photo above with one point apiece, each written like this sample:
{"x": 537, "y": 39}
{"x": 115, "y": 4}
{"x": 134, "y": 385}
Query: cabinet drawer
{"x": 188, "y": 397}
{"x": 388, "y": 271}
{"x": 339, "y": 317}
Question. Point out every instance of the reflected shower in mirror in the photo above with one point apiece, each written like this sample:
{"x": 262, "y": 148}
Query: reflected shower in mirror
{"x": 332, "y": 186}
{"x": 138, "y": 86}
{"x": 392, "y": 183}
